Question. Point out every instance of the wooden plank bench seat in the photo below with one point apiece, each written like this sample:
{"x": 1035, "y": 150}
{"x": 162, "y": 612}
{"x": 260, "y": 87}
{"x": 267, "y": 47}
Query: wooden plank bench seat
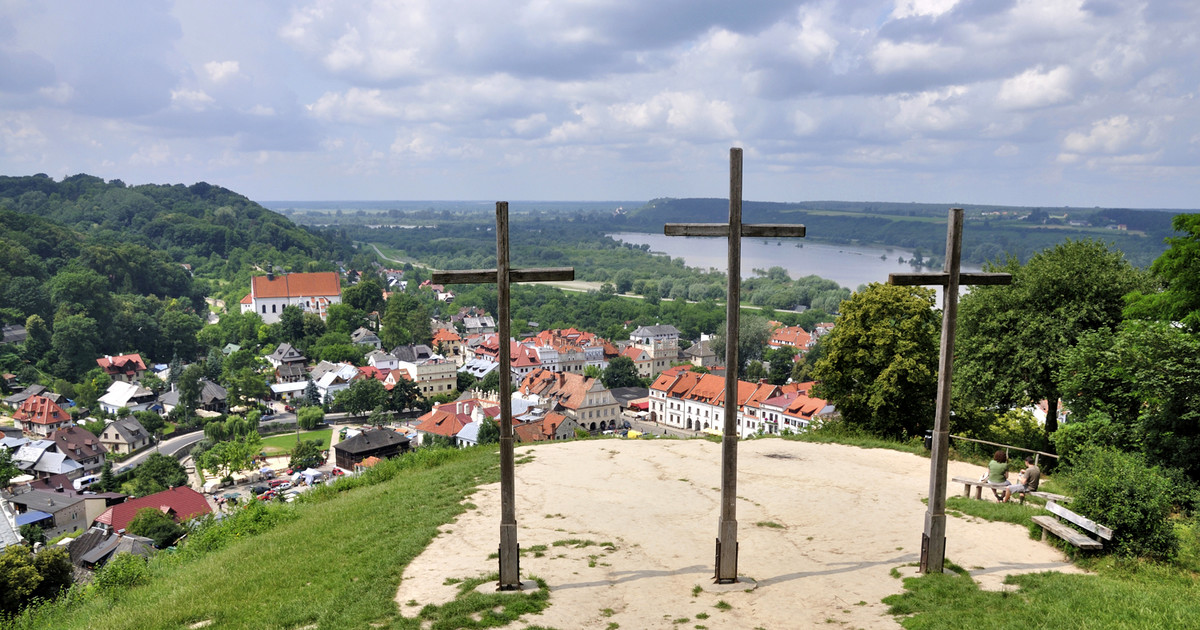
{"x": 978, "y": 485}
{"x": 1050, "y": 496}
{"x": 1069, "y": 534}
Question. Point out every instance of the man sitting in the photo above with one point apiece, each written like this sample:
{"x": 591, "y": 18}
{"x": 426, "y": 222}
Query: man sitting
{"x": 1028, "y": 481}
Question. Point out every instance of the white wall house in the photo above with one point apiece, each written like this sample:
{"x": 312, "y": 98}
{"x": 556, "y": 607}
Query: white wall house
{"x": 311, "y": 292}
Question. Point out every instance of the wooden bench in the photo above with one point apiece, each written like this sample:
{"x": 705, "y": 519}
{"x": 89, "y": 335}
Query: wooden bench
{"x": 1069, "y": 534}
{"x": 978, "y": 485}
{"x": 1048, "y": 497}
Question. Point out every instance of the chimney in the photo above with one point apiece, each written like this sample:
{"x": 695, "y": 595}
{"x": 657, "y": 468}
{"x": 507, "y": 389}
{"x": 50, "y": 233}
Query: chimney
{"x": 59, "y": 488}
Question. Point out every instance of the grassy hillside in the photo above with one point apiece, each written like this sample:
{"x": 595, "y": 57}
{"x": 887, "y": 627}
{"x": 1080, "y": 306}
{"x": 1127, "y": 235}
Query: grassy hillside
{"x": 333, "y": 561}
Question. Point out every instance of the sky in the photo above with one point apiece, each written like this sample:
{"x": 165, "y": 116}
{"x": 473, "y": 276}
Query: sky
{"x": 1009, "y": 102}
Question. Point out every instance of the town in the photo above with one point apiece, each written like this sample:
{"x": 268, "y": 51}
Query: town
{"x": 172, "y": 439}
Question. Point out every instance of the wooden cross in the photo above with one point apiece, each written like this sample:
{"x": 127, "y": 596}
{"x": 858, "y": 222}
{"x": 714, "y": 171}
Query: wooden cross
{"x": 933, "y": 540}
{"x": 503, "y": 276}
{"x": 727, "y": 546}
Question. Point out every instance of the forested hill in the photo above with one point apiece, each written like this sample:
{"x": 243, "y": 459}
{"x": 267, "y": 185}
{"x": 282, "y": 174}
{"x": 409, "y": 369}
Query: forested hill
{"x": 991, "y": 231}
{"x": 103, "y": 268}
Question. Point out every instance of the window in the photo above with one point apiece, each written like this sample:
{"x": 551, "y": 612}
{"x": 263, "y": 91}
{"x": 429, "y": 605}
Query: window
{"x": 264, "y": 308}
{"x": 272, "y": 308}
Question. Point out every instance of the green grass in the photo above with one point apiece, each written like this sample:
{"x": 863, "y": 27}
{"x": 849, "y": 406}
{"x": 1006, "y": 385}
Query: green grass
{"x": 280, "y": 444}
{"x": 1123, "y": 596}
{"x": 337, "y": 564}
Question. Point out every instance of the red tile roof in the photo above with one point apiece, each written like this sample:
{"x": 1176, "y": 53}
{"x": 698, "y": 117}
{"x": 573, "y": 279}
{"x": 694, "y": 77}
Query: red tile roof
{"x": 444, "y": 335}
{"x": 127, "y": 364}
{"x": 441, "y": 422}
{"x": 794, "y": 336}
{"x": 294, "y": 285}
{"x": 181, "y": 503}
{"x": 40, "y": 410}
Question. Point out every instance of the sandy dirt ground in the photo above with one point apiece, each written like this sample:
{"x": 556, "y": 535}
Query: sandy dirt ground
{"x": 821, "y": 529}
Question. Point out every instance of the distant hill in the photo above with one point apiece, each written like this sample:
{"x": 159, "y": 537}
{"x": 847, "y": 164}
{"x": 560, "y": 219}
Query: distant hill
{"x": 992, "y": 230}
{"x": 105, "y": 268}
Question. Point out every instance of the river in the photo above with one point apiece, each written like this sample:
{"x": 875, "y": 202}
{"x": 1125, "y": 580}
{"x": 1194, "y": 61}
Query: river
{"x": 847, "y": 265}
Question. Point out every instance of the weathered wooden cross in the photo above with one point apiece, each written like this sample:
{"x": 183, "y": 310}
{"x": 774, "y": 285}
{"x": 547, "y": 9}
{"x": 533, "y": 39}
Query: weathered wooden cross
{"x": 933, "y": 540}
{"x": 727, "y": 546}
{"x": 510, "y": 568}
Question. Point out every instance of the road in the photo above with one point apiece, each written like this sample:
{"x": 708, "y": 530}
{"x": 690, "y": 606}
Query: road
{"x": 170, "y": 447}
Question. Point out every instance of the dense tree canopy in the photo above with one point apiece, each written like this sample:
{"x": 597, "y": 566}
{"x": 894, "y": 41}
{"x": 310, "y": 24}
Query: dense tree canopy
{"x": 1011, "y": 338}
{"x": 880, "y": 362}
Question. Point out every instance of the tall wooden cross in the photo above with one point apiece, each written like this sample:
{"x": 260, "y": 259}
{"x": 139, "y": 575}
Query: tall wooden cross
{"x": 727, "y": 546}
{"x": 503, "y": 276}
{"x": 933, "y": 540}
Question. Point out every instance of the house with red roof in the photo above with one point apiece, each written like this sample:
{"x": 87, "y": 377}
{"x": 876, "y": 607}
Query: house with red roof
{"x": 792, "y": 337}
{"x": 580, "y": 398}
{"x": 447, "y": 342}
{"x": 125, "y": 367}
{"x": 40, "y": 416}
{"x": 180, "y": 503}
{"x": 311, "y": 292}
{"x": 552, "y": 426}
{"x": 686, "y": 400}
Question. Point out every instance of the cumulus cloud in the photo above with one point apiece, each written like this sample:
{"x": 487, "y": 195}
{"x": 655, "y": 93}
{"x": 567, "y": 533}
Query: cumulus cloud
{"x": 219, "y": 71}
{"x": 1035, "y": 88}
{"x": 355, "y": 105}
{"x": 1110, "y": 135}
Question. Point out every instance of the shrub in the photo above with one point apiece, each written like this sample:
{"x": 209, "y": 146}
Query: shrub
{"x": 123, "y": 572}
{"x": 1120, "y": 491}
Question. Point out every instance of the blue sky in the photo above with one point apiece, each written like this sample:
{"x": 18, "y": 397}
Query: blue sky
{"x": 1030, "y": 102}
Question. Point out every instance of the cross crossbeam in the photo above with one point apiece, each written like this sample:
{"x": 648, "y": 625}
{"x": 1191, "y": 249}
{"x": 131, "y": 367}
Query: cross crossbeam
{"x": 503, "y": 276}
{"x": 734, "y": 230}
{"x": 933, "y": 540}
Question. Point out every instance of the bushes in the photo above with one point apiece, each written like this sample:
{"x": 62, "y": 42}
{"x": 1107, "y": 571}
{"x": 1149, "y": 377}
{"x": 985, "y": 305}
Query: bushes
{"x": 123, "y": 572}
{"x": 1120, "y": 491}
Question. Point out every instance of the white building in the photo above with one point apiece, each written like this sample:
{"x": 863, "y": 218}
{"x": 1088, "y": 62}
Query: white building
{"x": 311, "y": 292}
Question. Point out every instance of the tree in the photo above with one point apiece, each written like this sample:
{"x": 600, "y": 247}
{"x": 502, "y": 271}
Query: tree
{"x": 405, "y": 395}
{"x": 362, "y": 396}
{"x": 465, "y": 381}
{"x": 38, "y": 343}
{"x": 880, "y": 363}
{"x": 8, "y": 469}
{"x": 155, "y": 525}
{"x": 781, "y": 364}
{"x": 394, "y": 331}
{"x": 150, "y": 421}
{"x": 753, "y": 334}
{"x": 621, "y": 372}
{"x": 343, "y": 318}
{"x": 366, "y": 296}
{"x": 306, "y": 454}
{"x": 1134, "y": 390}
{"x": 1011, "y": 338}
{"x": 57, "y": 573}
{"x": 489, "y": 431}
{"x": 74, "y": 343}
{"x": 189, "y": 388}
{"x": 159, "y": 472}
{"x": 291, "y": 324}
{"x": 312, "y": 395}
{"x": 310, "y": 418}
{"x": 1178, "y": 270}
{"x": 19, "y": 579}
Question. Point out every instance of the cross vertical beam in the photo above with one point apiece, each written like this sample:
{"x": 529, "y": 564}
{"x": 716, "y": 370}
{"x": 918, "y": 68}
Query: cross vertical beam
{"x": 503, "y": 276}
{"x": 933, "y": 540}
{"x": 727, "y": 545}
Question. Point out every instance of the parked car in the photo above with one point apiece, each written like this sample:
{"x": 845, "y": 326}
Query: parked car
{"x": 338, "y": 472}
{"x": 266, "y": 496}
{"x": 260, "y": 489}
{"x": 626, "y": 425}
{"x": 275, "y": 483}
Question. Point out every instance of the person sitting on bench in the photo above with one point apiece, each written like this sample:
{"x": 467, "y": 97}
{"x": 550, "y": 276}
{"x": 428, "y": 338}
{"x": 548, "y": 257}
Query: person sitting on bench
{"x": 1028, "y": 482}
{"x": 998, "y": 471}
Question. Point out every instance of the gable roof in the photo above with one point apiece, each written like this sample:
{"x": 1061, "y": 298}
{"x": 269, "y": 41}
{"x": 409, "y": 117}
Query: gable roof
{"x": 371, "y": 440}
{"x": 40, "y": 410}
{"x": 129, "y": 429}
{"x": 412, "y": 353}
{"x": 444, "y": 335}
{"x": 794, "y": 336}
{"x": 125, "y": 364}
{"x": 182, "y": 503}
{"x": 439, "y": 422}
{"x": 77, "y": 443}
{"x": 654, "y": 331}
{"x": 285, "y": 353}
{"x": 295, "y": 285}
